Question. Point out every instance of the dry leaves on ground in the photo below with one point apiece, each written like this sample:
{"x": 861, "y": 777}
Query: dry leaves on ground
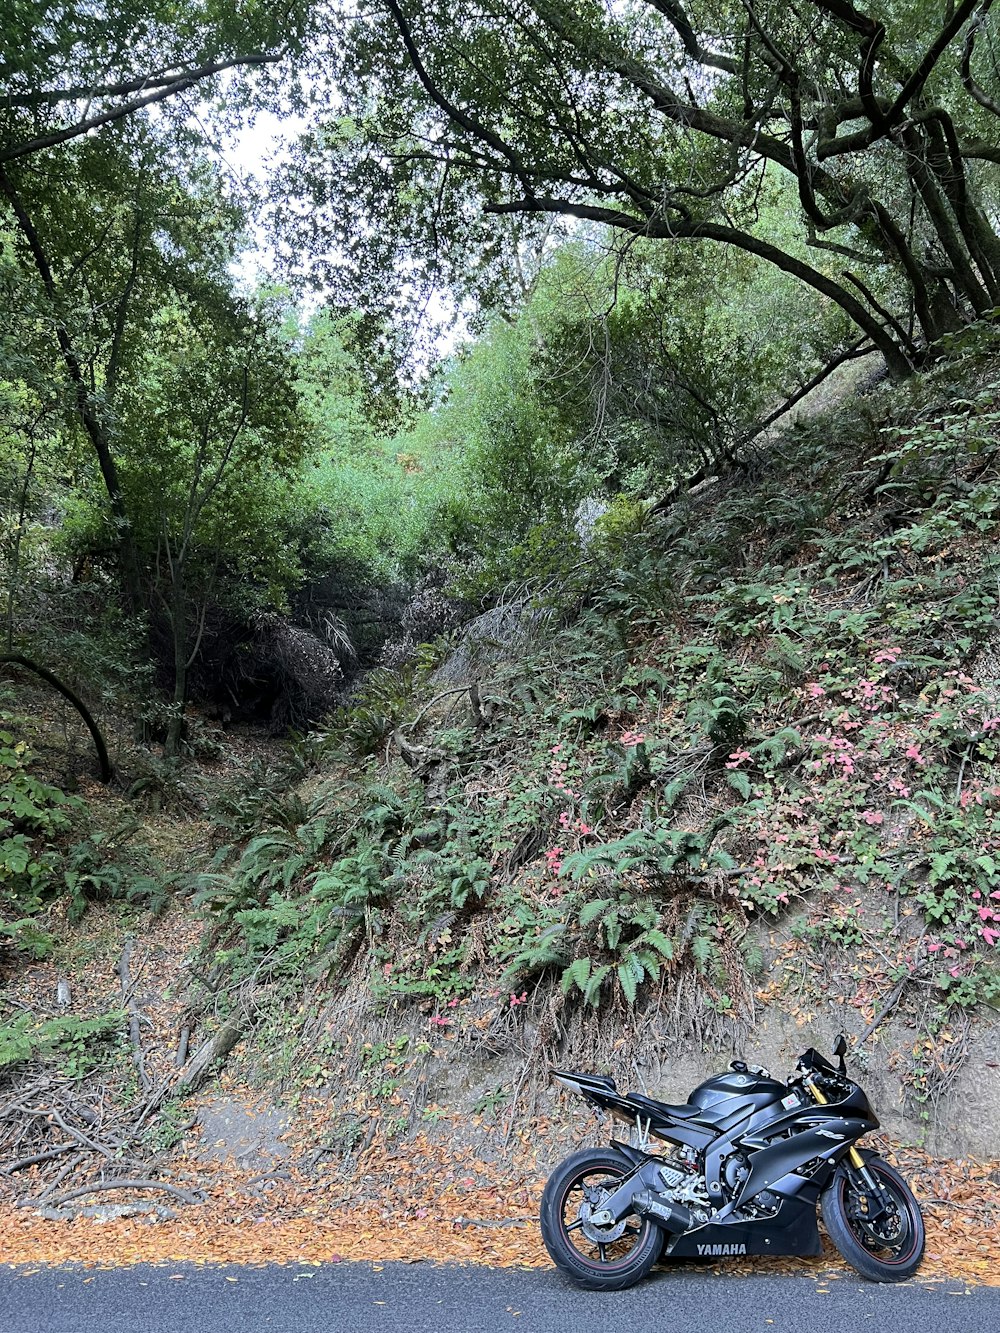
{"x": 423, "y": 1200}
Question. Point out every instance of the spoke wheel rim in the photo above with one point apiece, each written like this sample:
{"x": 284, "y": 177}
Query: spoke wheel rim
{"x": 605, "y": 1249}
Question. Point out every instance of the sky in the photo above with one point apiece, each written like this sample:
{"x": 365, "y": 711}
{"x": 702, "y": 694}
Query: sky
{"x": 252, "y": 154}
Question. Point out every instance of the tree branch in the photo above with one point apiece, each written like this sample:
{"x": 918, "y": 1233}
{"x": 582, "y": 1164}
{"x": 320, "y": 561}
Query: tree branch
{"x": 179, "y": 84}
{"x": 158, "y": 78}
{"x": 965, "y": 67}
{"x": 900, "y": 367}
{"x": 102, "y": 750}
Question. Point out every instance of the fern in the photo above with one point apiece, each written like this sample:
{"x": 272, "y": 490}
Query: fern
{"x": 577, "y": 974}
{"x": 630, "y": 973}
{"x": 702, "y": 949}
{"x": 595, "y": 908}
{"x": 74, "y": 1039}
{"x": 28, "y": 938}
{"x": 542, "y": 952}
{"x": 592, "y": 991}
{"x": 663, "y": 944}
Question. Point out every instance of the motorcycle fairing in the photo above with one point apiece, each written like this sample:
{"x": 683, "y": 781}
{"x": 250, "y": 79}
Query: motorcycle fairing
{"x": 602, "y": 1092}
{"x": 826, "y": 1138}
{"x": 792, "y": 1230}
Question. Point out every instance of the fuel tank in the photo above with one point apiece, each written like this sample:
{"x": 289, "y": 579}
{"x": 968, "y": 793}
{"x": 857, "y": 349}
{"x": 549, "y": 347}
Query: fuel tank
{"x": 734, "y": 1093}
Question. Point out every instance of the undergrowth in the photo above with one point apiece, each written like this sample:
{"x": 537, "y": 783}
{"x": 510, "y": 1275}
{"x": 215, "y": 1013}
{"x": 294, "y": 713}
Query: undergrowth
{"x": 778, "y": 701}
{"x": 774, "y": 705}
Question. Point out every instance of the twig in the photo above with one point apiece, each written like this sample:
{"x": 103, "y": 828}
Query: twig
{"x": 68, "y": 1167}
{"x": 77, "y": 1134}
{"x": 266, "y": 1175}
{"x": 37, "y": 1158}
{"x": 517, "y": 1091}
{"x": 186, "y": 1196}
{"x": 961, "y": 772}
{"x": 459, "y": 689}
{"x": 895, "y": 995}
{"x": 134, "y": 1026}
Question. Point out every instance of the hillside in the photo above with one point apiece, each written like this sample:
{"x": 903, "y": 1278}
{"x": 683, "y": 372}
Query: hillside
{"x": 730, "y": 786}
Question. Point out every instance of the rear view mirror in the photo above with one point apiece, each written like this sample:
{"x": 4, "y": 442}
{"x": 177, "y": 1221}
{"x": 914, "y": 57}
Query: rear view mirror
{"x": 840, "y": 1048}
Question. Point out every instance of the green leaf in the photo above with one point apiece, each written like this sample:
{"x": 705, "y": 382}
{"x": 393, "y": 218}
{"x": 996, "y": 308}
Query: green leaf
{"x": 577, "y": 974}
{"x": 702, "y": 948}
{"x": 593, "y": 988}
{"x": 630, "y": 973}
{"x": 612, "y": 930}
{"x": 595, "y": 908}
{"x": 662, "y": 943}
{"x": 673, "y": 790}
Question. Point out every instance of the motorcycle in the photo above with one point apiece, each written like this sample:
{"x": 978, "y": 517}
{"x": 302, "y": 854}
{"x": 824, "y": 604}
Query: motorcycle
{"x": 739, "y": 1170}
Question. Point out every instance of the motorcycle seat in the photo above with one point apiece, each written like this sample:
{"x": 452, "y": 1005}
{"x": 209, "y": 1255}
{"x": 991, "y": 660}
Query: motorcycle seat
{"x": 660, "y": 1109}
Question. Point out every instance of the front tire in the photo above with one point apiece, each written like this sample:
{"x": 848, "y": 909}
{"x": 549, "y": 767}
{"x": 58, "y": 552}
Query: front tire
{"x": 885, "y": 1248}
{"x": 595, "y": 1257}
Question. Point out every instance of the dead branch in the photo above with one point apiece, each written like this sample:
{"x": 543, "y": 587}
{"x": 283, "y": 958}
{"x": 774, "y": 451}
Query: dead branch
{"x": 459, "y": 689}
{"x": 16, "y": 659}
{"x": 186, "y": 1196}
{"x": 37, "y": 1158}
{"x": 182, "y": 1046}
{"x": 134, "y": 1023}
{"x": 210, "y": 1053}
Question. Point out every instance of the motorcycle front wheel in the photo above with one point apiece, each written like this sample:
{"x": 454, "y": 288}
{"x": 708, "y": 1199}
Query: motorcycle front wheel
{"x": 599, "y": 1258}
{"x": 883, "y": 1245}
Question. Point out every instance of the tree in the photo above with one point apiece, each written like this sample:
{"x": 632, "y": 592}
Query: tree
{"x": 86, "y": 175}
{"x": 210, "y": 437}
{"x": 662, "y": 119}
{"x": 70, "y": 68}
{"x": 183, "y": 390}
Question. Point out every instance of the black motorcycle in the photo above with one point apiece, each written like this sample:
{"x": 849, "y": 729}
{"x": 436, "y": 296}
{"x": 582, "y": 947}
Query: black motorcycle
{"x": 740, "y": 1170}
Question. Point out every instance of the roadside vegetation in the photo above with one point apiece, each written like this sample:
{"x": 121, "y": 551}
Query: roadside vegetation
{"x": 559, "y": 620}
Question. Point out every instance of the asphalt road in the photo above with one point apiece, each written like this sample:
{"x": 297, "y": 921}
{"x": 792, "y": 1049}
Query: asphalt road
{"x": 421, "y": 1298}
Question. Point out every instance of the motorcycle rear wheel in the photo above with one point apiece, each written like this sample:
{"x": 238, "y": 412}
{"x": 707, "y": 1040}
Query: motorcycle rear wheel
{"x": 884, "y": 1249}
{"x": 597, "y": 1258}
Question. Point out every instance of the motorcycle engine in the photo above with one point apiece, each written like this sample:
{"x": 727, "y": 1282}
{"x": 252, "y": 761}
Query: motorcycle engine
{"x": 735, "y": 1171}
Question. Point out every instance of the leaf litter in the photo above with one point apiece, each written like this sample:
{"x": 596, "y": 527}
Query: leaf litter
{"x": 438, "y": 1201}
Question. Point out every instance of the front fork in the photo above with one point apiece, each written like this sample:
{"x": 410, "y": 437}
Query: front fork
{"x": 858, "y": 1163}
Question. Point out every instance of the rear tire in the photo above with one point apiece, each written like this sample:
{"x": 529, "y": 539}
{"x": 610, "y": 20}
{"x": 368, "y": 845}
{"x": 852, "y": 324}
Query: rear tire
{"x": 885, "y": 1249}
{"x": 597, "y": 1258}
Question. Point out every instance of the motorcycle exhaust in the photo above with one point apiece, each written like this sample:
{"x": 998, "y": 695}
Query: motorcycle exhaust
{"x": 671, "y": 1216}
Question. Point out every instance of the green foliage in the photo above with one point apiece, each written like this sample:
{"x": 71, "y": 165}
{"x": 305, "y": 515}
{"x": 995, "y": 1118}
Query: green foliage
{"x": 557, "y": 412}
{"x": 369, "y": 493}
{"x": 705, "y": 742}
{"x": 72, "y": 1045}
{"x": 577, "y": 117}
{"x": 27, "y": 937}
{"x": 45, "y": 854}
{"x": 34, "y": 816}
{"x": 377, "y": 707}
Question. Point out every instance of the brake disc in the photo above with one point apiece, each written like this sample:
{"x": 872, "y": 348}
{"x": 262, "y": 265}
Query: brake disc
{"x": 600, "y": 1235}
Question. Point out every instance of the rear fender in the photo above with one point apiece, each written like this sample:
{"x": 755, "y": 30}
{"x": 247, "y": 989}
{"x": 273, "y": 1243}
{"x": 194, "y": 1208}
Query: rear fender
{"x": 634, "y": 1155}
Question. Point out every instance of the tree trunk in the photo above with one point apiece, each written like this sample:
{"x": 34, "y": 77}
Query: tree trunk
{"x": 86, "y": 407}
{"x": 178, "y": 627}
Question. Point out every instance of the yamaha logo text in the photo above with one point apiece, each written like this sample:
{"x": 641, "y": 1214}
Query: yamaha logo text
{"x": 721, "y": 1249}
